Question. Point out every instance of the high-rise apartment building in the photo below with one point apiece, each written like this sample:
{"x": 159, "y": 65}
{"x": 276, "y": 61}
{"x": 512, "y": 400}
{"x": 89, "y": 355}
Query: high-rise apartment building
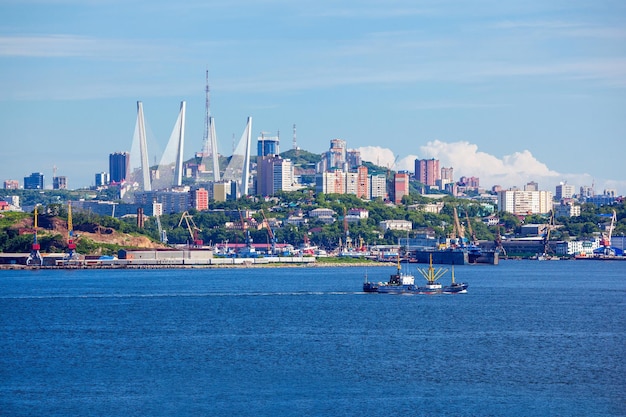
{"x": 337, "y": 154}
{"x": 353, "y": 158}
{"x": 427, "y": 171}
{"x": 525, "y": 202}
{"x": 11, "y": 185}
{"x": 34, "y": 181}
{"x": 363, "y": 186}
{"x": 447, "y": 174}
{"x": 200, "y": 199}
{"x": 268, "y": 145}
{"x": 531, "y": 186}
{"x": 564, "y": 190}
{"x": 102, "y": 179}
{"x": 378, "y": 186}
{"x": 59, "y": 183}
{"x": 331, "y": 182}
{"x": 119, "y": 166}
{"x": 400, "y": 186}
{"x": 274, "y": 174}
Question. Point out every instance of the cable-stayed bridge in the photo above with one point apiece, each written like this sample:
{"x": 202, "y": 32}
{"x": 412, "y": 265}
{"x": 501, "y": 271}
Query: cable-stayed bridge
{"x": 168, "y": 173}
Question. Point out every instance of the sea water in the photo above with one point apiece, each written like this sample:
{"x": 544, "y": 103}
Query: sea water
{"x": 529, "y": 338}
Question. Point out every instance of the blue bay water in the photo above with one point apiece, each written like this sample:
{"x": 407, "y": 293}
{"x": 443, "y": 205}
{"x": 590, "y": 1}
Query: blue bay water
{"x": 530, "y": 338}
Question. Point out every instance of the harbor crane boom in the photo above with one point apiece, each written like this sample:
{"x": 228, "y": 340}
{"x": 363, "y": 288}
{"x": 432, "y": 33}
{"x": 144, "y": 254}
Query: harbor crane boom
{"x": 191, "y": 227}
{"x": 470, "y": 230}
{"x": 457, "y": 226}
{"x": 270, "y": 233}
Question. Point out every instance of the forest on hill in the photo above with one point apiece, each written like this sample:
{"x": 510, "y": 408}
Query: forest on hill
{"x": 106, "y": 235}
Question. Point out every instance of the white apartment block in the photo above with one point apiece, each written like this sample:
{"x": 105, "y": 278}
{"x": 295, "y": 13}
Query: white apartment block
{"x": 378, "y": 186}
{"x": 331, "y": 182}
{"x": 283, "y": 175}
{"x": 564, "y": 190}
{"x": 352, "y": 182}
{"x": 525, "y": 202}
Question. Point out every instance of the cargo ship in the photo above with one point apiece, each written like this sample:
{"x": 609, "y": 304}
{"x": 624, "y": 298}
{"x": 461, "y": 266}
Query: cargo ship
{"x": 403, "y": 283}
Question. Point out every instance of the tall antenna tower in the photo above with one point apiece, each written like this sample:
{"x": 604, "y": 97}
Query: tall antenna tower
{"x": 210, "y": 139}
{"x": 207, "y": 116}
{"x": 295, "y": 143}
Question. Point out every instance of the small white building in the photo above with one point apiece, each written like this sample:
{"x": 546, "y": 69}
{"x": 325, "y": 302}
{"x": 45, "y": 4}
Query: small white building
{"x": 321, "y": 212}
{"x": 396, "y": 225}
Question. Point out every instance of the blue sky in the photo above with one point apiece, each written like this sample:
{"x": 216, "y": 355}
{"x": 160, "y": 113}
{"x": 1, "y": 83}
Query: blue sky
{"x": 511, "y": 92}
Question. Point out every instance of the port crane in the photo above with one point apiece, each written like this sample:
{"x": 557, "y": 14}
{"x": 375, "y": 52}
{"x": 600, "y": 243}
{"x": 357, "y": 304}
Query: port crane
{"x": 162, "y": 233}
{"x": 71, "y": 246}
{"x": 157, "y": 217}
{"x": 35, "y": 258}
{"x": 498, "y": 242}
{"x": 249, "y": 250}
{"x": 474, "y": 241}
{"x": 546, "y": 237}
{"x": 191, "y": 227}
{"x": 605, "y": 242}
{"x": 458, "y": 229}
{"x": 270, "y": 233}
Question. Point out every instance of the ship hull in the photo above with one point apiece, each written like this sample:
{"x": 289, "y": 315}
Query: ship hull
{"x": 455, "y": 257}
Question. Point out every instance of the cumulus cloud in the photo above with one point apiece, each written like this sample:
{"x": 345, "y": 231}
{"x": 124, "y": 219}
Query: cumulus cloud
{"x": 467, "y": 160}
{"x": 510, "y": 170}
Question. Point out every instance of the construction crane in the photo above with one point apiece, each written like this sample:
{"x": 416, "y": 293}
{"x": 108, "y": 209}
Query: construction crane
{"x": 35, "y": 258}
{"x": 192, "y": 228}
{"x": 270, "y": 233}
{"x": 71, "y": 246}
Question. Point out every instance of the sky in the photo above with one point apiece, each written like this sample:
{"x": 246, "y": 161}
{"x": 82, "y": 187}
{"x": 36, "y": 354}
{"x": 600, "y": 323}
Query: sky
{"x": 507, "y": 91}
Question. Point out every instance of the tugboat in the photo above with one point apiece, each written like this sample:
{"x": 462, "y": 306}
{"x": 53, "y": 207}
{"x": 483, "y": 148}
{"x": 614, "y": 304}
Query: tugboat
{"x": 402, "y": 283}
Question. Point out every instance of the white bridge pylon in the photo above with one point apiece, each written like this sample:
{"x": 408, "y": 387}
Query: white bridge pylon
{"x": 169, "y": 172}
{"x": 238, "y": 168}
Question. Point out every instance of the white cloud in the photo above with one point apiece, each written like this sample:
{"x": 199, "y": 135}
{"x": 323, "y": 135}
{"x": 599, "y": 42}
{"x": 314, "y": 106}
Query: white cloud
{"x": 467, "y": 160}
{"x": 385, "y": 157}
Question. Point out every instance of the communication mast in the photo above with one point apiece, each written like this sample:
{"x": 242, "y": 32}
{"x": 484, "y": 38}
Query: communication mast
{"x": 207, "y": 116}
{"x": 295, "y": 143}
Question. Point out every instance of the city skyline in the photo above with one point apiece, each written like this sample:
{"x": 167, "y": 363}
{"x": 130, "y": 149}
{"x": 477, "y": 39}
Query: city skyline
{"x": 509, "y": 93}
